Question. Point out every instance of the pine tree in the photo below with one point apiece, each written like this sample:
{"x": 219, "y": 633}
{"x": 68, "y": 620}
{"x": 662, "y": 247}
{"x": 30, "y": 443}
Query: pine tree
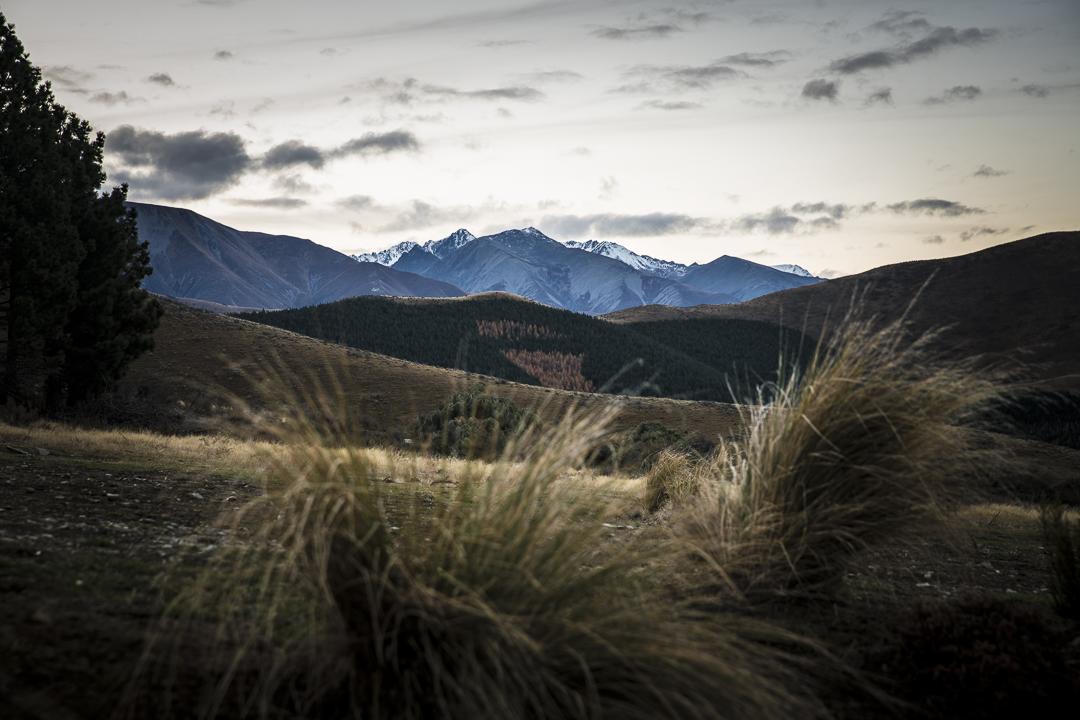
{"x": 67, "y": 255}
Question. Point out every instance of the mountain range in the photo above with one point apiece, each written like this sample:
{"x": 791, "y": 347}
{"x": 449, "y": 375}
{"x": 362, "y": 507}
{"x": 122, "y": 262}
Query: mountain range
{"x": 199, "y": 260}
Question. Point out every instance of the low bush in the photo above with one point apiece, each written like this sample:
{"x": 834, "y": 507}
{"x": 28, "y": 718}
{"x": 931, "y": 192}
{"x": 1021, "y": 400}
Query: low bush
{"x": 473, "y": 424}
{"x": 636, "y": 450}
{"x": 1062, "y": 538}
{"x": 979, "y": 657}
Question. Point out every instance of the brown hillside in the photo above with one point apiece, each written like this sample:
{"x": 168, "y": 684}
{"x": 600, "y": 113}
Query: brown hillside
{"x": 201, "y": 357}
{"x": 1017, "y": 302}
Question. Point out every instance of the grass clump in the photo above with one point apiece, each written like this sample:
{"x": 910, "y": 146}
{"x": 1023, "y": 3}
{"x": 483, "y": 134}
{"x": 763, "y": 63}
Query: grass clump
{"x": 502, "y": 595}
{"x": 473, "y": 424}
{"x": 1062, "y": 538}
{"x": 674, "y": 478}
{"x": 853, "y": 447}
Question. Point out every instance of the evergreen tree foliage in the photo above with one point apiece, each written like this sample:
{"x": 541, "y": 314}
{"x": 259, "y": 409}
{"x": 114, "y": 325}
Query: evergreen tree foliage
{"x": 71, "y": 311}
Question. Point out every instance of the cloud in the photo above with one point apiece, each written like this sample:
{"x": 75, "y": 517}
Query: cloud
{"x": 181, "y": 166}
{"x": 760, "y": 60}
{"x": 277, "y": 203}
{"x": 903, "y": 23}
{"x": 293, "y": 184}
{"x": 670, "y": 105}
{"x": 558, "y": 76}
{"x": 356, "y": 202}
{"x": 821, "y": 90}
{"x": 516, "y": 92}
{"x": 836, "y": 211}
{"x": 982, "y": 231}
{"x": 615, "y": 225}
{"x": 775, "y": 222}
{"x": 115, "y": 98}
{"x": 501, "y": 43}
{"x": 882, "y": 96}
{"x": 224, "y": 55}
{"x": 985, "y": 171}
{"x": 224, "y": 109}
{"x": 956, "y": 93}
{"x": 934, "y": 240}
{"x": 292, "y": 153}
{"x": 409, "y": 90}
{"x": 640, "y": 32}
{"x": 677, "y": 77}
{"x": 1035, "y": 91}
{"x": 934, "y": 206}
{"x": 420, "y": 214}
{"x": 378, "y": 144}
{"x": 935, "y": 40}
{"x": 163, "y": 79}
{"x": 67, "y": 77}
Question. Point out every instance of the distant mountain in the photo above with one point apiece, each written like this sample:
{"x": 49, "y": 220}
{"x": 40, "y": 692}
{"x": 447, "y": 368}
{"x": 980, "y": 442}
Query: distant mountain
{"x": 644, "y": 263}
{"x": 741, "y": 279}
{"x": 439, "y": 248}
{"x": 1019, "y": 301}
{"x": 528, "y": 263}
{"x": 198, "y": 259}
{"x": 794, "y": 270}
{"x": 386, "y": 257}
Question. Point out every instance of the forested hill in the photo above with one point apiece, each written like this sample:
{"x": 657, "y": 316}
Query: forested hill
{"x": 508, "y": 337}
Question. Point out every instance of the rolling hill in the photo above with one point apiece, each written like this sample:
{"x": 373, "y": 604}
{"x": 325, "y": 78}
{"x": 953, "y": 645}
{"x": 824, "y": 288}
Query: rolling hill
{"x": 512, "y": 338}
{"x": 198, "y": 259}
{"x": 1015, "y": 303}
{"x": 205, "y": 365}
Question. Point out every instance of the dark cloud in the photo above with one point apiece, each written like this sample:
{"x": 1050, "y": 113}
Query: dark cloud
{"x": 821, "y": 90}
{"x": 1035, "y": 91}
{"x": 775, "y": 222}
{"x": 640, "y": 32}
{"x": 292, "y": 153}
{"x": 277, "y": 203}
{"x": 670, "y": 105}
{"x": 882, "y": 96}
{"x": 114, "y": 98}
{"x": 378, "y": 144}
{"x": 935, "y": 40}
{"x": 954, "y": 94}
{"x": 983, "y": 231}
{"x": 903, "y": 23}
{"x": 517, "y": 92}
{"x": 163, "y": 79}
{"x": 224, "y": 55}
{"x": 934, "y": 206}
{"x": 67, "y": 77}
{"x": 615, "y": 225}
{"x": 985, "y": 171}
{"x": 760, "y": 60}
{"x": 834, "y": 210}
{"x": 181, "y": 166}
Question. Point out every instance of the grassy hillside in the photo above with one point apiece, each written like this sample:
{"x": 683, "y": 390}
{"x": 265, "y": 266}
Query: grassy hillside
{"x": 1017, "y": 302}
{"x": 508, "y": 337}
{"x": 202, "y": 363}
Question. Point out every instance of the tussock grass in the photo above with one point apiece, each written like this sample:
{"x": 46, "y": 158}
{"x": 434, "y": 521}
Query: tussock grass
{"x": 864, "y": 439}
{"x": 1062, "y": 537}
{"x": 674, "y": 478}
{"x": 501, "y": 596}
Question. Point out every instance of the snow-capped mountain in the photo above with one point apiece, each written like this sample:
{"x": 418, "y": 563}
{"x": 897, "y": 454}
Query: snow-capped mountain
{"x": 386, "y": 257}
{"x": 457, "y": 239}
{"x": 643, "y": 263}
{"x": 794, "y": 270}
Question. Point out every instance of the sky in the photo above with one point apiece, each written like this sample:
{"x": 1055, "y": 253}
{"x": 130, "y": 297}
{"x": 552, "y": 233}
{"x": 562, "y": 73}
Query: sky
{"x": 838, "y": 135}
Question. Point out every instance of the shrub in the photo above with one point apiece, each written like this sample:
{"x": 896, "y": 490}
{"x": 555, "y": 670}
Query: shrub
{"x": 638, "y": 449}
{"x": 474, "y": 425}
{"x": 501, "y": 597}
{"x": 1062, "y": 539}
{"x": 981, "y": 658}
{"x": 854, "y": 447}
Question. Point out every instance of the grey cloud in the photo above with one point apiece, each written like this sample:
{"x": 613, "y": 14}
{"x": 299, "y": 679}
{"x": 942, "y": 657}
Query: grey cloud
{"x": 833, "y": 210}
{"x": 670, "y": 105}
{"x": 181, "y": 166}
{"x": 1035, "y": 91}
{"x": 422, "y": 215}
{"x": 981, "y": 231}
{"x": 640, "y": 32}
{"x": 821, "y": 90}
{"x": 762, "y": 60}
{"x": 934, "y": 206}
{"x": 293, "y": 184}
{"x": 292, "y": 153}
{"x": 555, "y": 76}
{"x": 775, "y": 222}
{"x": 934, "y": 240}
{"x": 985, "y": 171}
{"x": 880, "y": 97}
{"x": 903, "y": 23}
{"x": 678, "y": 77}
{"x": 935, "y": 40}
{"x": 67, "y": 77}
{"x": 501, "y": 43}
{"x": 954, "y": 94}
{"x": 517, "y": 92}
{"x": 114, "y": 98}
{"x": 608, "y": 225}
{"x": 356, "y": 202}
{"x": 224, "y": 55}
{"x": 379, "y": 144}
{"x": 163, "y": 79}
{"x": 277, "y": 203}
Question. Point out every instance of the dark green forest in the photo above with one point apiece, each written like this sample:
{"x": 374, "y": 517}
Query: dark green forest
{"x": 696, "y": 359}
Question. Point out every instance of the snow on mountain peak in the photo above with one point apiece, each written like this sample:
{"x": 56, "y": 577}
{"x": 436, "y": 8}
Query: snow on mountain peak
{"x": 386, "y": 257}
{"x": 643, "y": 263}
{"x": 794, "y": 270}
